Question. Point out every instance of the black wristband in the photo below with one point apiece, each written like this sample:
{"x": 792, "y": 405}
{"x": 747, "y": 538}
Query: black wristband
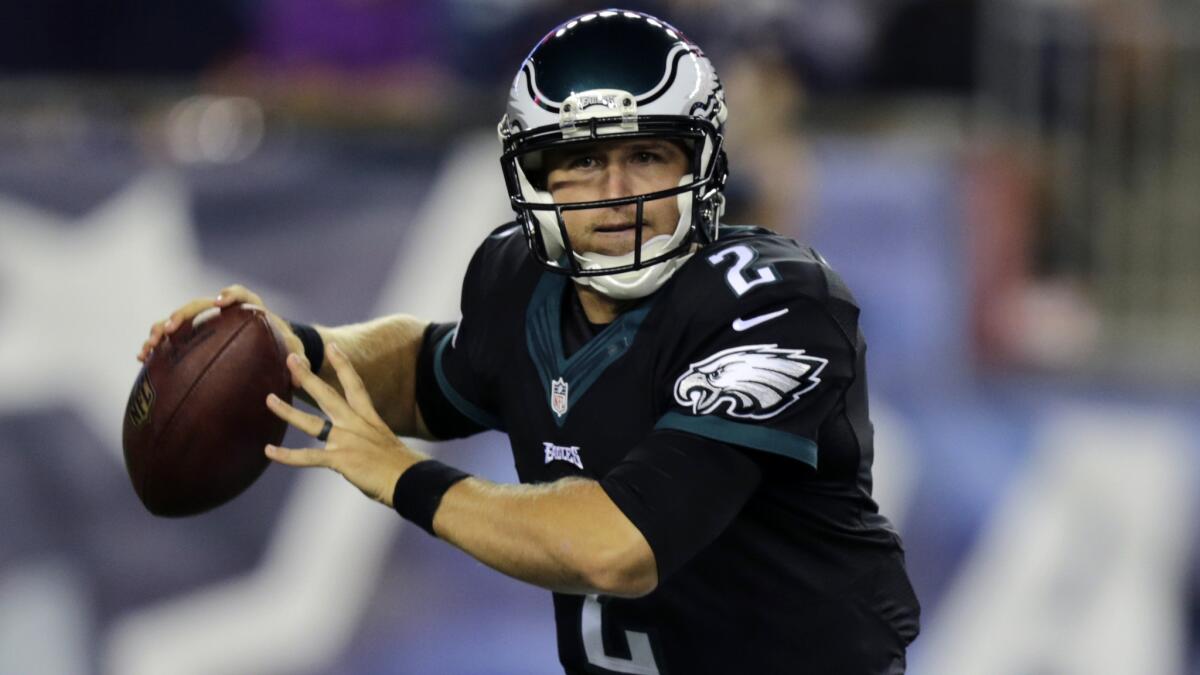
{"x": 314, "y": 346}
{"x": 419, "y": 491}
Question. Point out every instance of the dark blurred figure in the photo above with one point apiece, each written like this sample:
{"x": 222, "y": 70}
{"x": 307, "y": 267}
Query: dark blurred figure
{"x": 353, "y": 36}
{"x": 927, "y": 45}
{"x": 120, "y": 37}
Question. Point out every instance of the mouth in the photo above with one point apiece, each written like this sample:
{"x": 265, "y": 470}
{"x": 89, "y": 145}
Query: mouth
{"x": 614, "y": 229}
{"x": 612, "y": 239}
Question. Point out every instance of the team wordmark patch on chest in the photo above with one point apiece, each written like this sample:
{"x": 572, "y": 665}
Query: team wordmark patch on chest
{"x": 563, "y": 453}
{"x": 754, "y": 381}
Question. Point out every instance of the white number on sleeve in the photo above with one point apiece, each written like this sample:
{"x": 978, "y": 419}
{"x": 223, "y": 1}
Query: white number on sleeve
{"x": 739, "y": 281}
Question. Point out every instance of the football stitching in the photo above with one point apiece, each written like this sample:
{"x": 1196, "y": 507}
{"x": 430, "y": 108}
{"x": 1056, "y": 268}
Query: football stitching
{"x": 170, "y": 420}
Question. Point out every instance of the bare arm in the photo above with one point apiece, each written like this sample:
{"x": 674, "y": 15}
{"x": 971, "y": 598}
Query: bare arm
{"x": 384, "y": 353}
{"x": 567, "y": 536}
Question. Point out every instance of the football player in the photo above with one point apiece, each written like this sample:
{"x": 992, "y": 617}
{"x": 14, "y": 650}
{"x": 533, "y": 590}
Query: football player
{"x": 686, "y": 400}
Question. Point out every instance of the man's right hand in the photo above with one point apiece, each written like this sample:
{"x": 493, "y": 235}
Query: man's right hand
{"x": 228, "y": 296}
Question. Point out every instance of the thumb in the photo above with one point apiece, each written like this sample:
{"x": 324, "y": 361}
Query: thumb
{"x": 290, "y": 340}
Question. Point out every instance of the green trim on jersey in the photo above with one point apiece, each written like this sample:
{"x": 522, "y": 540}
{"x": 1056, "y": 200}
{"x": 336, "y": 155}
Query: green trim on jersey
{"x": 470, "y": 410}
{"x": 543, "y": 336}
{"x": 746, "y": 435}
{"x": 739, "y": 229}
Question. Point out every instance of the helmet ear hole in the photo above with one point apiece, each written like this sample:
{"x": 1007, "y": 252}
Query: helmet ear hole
{"x": 721, "y": 170}
{"x": 533, "y": 163}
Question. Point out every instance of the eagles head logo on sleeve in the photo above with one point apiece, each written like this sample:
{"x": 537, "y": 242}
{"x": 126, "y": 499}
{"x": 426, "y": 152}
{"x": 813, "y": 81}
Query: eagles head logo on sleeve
{"x": 754, "y": 381}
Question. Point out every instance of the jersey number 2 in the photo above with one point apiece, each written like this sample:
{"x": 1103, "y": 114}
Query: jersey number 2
{"x": 641, "y": 657}
{"x": 738, "y": 279}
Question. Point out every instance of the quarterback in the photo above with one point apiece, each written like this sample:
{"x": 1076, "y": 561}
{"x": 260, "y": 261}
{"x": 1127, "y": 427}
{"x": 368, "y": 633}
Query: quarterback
{"x": 686, "y": 400}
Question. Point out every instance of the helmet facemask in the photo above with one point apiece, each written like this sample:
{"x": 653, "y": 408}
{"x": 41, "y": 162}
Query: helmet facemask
{"x": 630, "y": 275}
{"x": 576, "y": 87}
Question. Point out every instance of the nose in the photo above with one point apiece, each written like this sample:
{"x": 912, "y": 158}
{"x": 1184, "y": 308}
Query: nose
{"x": 617, "y": 183}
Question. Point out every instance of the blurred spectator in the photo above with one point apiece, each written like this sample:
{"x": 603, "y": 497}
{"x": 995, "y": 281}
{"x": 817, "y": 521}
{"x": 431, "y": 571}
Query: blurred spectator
{"x": 768, "y": 171}
{"x": 119, "y": 36}
{"x": 826, "y": 42}
{"x": 927, "y": 46}
{"x": 352, "y": 35}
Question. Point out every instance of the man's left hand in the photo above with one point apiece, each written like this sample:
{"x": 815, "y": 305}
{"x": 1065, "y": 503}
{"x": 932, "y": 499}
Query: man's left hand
{"x": 360, "y": 446}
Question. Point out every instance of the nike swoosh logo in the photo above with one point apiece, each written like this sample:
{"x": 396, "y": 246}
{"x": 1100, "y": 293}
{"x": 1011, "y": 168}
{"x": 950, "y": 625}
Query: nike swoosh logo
{"x": 746, "y": 324}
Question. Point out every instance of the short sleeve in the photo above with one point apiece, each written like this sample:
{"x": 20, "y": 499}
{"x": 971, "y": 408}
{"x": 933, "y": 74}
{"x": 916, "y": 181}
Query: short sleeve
{"x": 681, "y": 491}
{"x": 434, "y": 394}
{"x": 453, "y": 392}
{"x": 766, "y": 380}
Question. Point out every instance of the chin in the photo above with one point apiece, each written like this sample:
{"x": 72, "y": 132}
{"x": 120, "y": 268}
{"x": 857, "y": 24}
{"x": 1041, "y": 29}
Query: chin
{"x": 611, "y": 250}
{"x": 617, "y": 243}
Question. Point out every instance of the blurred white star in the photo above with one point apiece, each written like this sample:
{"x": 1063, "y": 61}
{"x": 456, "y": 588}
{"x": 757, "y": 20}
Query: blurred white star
{"x": 44, "y": 596}
{"x": 78, "y": 299}
{"x": 323, "y": 563}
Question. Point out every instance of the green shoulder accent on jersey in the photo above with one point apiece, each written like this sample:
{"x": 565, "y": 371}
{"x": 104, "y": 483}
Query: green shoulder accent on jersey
{"x": 746, "y": 435}
{"x": 730, "y": 230}
{"x": 470, "y": 410}
{"x": 543, "y": 336}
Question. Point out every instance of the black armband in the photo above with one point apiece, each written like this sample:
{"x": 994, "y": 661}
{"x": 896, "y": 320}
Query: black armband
{"x": 314, "y": 346}
{"x": 420, "y": 489}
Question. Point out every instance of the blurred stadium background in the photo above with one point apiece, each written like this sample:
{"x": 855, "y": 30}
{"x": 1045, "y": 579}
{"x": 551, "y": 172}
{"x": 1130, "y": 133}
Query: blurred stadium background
{"x": 1012, "y": 188}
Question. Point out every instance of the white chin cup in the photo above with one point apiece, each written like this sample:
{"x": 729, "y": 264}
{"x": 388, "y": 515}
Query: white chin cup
{"x": 641, "y": 282}
{"x": 637, "y": 283}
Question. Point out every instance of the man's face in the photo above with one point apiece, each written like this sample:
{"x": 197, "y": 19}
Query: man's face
{"x": 610, "y": 170}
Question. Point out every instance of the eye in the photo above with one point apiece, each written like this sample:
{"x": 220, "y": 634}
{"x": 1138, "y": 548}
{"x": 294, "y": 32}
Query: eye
{"x": 646, "y": 157}
{"x": 582, "y": 162}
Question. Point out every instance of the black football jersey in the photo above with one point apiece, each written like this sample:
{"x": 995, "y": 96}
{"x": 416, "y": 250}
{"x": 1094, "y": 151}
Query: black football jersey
{"x": 753, "y": 345}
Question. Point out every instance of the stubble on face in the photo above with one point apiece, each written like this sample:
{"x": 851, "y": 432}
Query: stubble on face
{"x": 611, "y": 170}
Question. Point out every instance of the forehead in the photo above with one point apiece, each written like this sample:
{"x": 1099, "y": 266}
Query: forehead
{"x": 618, "y": 145}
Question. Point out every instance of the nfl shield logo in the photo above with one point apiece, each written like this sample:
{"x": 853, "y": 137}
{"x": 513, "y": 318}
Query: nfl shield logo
{"x": 558, "y": 397}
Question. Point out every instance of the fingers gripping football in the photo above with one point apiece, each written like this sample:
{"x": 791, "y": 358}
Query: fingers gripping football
{"x": 229, "y": 295}
{"x": 237, "y": 293}
{"x": 161, "y": 329}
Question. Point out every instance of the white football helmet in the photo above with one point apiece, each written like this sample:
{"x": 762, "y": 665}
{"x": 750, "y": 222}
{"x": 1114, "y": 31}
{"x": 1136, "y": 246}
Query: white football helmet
{"x": 606, "y": 75}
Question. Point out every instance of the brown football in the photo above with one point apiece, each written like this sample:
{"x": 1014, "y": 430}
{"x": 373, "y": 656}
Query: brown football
{"x": 197, "y": 419}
